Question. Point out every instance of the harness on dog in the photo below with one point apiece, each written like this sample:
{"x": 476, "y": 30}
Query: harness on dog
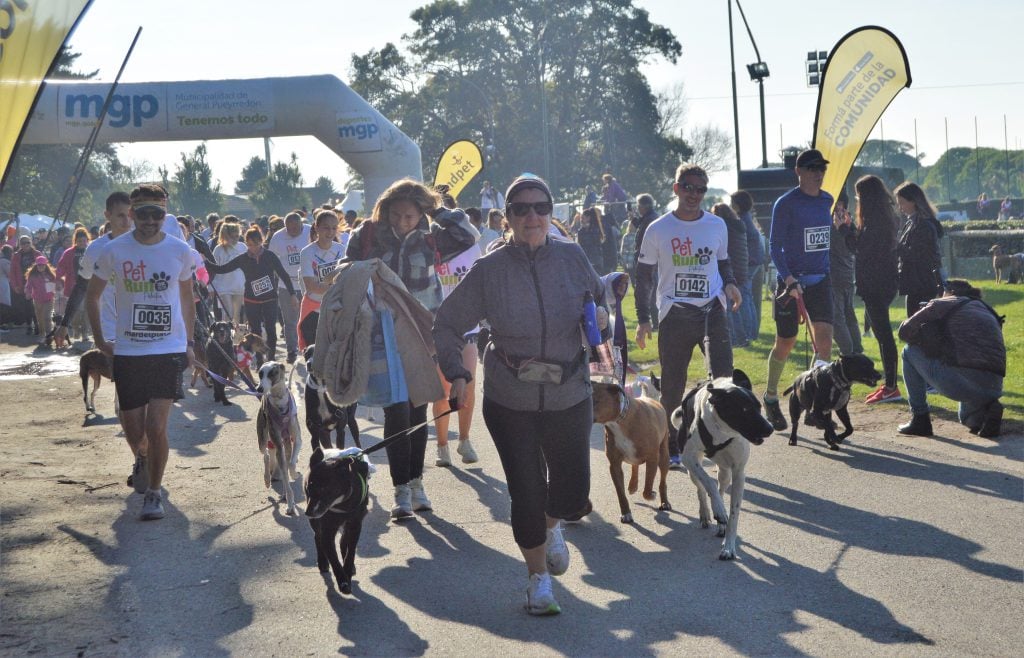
{"x": 336, "y": 505}
{"x": 243, "y": 357}
{"x": 282, "y": 421}
{"x": 710, "y": 449}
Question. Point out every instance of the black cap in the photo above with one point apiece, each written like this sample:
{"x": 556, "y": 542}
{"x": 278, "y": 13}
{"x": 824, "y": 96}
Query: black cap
{"x": 810, "y": 158}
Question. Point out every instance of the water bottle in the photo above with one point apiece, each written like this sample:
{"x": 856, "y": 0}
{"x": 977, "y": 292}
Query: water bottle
{"x": 590, "y": 320}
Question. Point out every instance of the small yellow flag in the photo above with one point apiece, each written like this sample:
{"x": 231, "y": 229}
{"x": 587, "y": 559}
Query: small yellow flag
{"x": 459, "y": 163}
{"x": 865, "y": 71}
{"x": 31, "y": 34}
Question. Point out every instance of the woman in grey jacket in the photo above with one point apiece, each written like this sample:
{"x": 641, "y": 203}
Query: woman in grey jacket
{"x": 537, "y": 393}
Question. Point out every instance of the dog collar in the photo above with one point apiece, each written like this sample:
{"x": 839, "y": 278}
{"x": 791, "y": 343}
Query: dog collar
{"x": 623, "y": 406}
{"x": 710, "y": 449}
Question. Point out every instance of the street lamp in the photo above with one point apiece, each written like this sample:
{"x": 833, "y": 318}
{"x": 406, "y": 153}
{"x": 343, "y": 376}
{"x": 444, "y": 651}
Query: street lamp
{"x": 758, "y": 72}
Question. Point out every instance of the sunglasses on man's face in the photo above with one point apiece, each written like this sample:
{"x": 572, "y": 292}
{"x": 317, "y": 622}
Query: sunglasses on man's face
{"x": 821, "y": 168}
{"x": 693, "y": 189}
{"x": 150, "y": 213}
{"x": 522, "y": 209}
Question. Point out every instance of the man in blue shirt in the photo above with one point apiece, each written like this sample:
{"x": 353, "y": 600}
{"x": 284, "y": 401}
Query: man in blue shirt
{"x": 799, "y": 244}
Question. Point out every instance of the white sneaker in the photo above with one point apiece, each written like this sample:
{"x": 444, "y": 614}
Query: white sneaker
{"x": 403, "y": 503}
{"x": 152, "y": 508}
{"x": 420, "y": 502}
{"x": 466, "y": 450}
{"x": 540, "y": 600}
{"x": 557, "y": 553}
{"x": 444, "y": 457}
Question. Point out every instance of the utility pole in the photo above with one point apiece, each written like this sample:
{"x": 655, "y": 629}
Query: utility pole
{"x": 735, "y": 105}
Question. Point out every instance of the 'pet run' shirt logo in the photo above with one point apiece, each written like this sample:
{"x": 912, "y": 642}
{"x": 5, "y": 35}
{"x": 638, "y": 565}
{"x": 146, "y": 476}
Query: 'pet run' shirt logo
{"x": 135, "y": 281}
{"x": 684, "y": 256}
{"x": 450, "y": 277}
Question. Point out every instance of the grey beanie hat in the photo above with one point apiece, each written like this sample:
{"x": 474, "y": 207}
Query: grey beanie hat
{"x": 525, "y": 181}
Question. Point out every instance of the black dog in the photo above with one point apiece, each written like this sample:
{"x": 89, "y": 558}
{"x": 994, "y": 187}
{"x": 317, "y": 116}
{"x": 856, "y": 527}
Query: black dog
{"x": 218, "y": 350}
{"x": 323, "y": 416}
{"x": 336, "y": 500}
{"x": 825, "y": 389}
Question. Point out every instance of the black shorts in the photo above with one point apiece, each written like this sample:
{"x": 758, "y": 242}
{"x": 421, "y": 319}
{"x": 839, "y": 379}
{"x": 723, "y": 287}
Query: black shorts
{"x": 139, "y": 379}
{"x": 817, "y": 299}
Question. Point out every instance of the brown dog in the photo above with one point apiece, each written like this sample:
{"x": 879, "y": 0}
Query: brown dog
{"x": 93, "y": 365}
{"x": 1011, "y": 264}
{"x": 635, "y": 432}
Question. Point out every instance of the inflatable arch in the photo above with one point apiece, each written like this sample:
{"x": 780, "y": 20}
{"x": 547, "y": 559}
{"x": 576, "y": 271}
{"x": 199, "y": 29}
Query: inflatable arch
{"x": 321, "y": 106}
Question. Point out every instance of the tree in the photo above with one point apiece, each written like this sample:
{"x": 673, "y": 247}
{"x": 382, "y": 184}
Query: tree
{"x": 710, "y": 148}
{"x": 280, "y": 192}
{"x": 891, "y": 154}
{"x": 252, "y": 173}
{"x": 323, "y": 190}
{"x": 571, "y": 65}
{"x": 192, "y": 188}
{"x": 962, "y": 173}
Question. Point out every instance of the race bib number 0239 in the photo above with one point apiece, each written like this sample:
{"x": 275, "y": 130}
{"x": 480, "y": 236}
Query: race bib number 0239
{"x": 816, "y": 238}
{"x": 155, "y": 318}
{"x": 262, "y": 285}
{"x": 691, "y": 286}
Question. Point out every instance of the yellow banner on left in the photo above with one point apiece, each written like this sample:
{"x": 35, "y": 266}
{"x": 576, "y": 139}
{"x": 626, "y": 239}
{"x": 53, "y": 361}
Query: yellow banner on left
{"x": 31, "y": 34}
{"x": 459, "y": 163}
{"x": 865, "y": 71}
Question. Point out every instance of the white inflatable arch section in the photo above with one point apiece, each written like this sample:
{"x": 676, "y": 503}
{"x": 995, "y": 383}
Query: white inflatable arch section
{"x": 322, "y": 106}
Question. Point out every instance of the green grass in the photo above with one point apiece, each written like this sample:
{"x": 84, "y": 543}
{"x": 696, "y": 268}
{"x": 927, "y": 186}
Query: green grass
{"x": 1008, "y": 300}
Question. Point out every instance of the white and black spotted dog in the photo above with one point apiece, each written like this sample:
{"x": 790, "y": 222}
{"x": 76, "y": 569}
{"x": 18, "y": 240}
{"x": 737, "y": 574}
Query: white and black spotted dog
{"x": 720, "y": 419}
{"x": 277, "y": 429}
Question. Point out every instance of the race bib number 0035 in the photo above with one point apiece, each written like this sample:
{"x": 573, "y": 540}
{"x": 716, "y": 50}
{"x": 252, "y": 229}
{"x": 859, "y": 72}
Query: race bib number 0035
{"x": 153, "y": 318}
{"x": 691, "y": 286}
{"x": 816, "y": 239}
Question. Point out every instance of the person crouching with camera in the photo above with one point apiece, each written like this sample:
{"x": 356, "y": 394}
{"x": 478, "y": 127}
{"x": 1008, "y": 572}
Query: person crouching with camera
{"x": 955, "y": 345}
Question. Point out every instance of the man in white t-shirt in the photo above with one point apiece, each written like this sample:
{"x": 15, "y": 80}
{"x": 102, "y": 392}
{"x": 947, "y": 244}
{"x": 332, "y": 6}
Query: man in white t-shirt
{"x": 689, "y": 248}
{"x": 317, "y": 261}
{"x": 287, "y": 245}
{"x": 151, "y": 274}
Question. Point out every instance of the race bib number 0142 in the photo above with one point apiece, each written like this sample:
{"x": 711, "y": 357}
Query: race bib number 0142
{"x": 691, "y": 286}
{"x": 155, "y": 318}
{"x": 816, "y": 239}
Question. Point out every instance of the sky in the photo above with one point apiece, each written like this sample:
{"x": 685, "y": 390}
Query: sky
{"x": 962, "y": 61}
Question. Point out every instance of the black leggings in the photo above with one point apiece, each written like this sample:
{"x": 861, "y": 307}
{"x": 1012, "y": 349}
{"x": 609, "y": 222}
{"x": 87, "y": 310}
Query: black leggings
{"x": 546, "y": 459}
{"x": 877, "y": 312}
{"x": 405, "y": 456}
{"x": 263, "y": 317}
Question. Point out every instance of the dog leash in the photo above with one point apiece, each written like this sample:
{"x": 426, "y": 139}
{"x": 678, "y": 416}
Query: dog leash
{"x": 241, "y": 373}
{"x": 397, "y": 435}
{"x": 228, "y": 382}
{"x": 804, "y": 318}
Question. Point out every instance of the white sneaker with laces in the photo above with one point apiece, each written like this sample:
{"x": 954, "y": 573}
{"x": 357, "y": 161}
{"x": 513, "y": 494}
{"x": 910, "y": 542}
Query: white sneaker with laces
{"x": 466, "y": 450}
{"x": 556, "y": 553}
{"x": 540, "y": 600}
{"x": 420, "y": 502}
{"x": 444, "y": 457}
{"x": 152, "y": 508}
{"x": 403, "y": 503}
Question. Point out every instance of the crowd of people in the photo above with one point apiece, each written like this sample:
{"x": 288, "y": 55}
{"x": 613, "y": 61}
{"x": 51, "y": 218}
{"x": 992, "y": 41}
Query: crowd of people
{"x": 509, "y": 286}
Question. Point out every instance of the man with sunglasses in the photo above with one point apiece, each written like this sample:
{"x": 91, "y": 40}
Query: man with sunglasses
{"x": 151, "y": 274}
{"x": 689, "y": 249}
{"x": 799, "y": 244}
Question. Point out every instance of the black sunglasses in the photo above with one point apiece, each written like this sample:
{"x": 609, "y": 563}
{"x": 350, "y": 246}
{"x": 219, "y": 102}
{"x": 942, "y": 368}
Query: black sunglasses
{"x": 150, "y": 212}
{"x": 522, "y": 209}
{"x": 692, "y": 188}
{"x": 821, "y": 168}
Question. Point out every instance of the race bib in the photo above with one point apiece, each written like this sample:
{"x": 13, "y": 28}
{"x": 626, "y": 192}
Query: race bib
{"x": 151, "y": 318}
{"x": 262, "y": 285}
{"x": 816, "y": 239}
{"x": 691, "y": 286}
{"x": 323, "y": 270}
{"x": 293, "y": 258}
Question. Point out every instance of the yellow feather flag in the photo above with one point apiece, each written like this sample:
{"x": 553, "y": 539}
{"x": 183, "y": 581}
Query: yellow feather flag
{"x": 31, "y": 34}
{"x": 459, "y": 163}
{"x": 865, "y": 71}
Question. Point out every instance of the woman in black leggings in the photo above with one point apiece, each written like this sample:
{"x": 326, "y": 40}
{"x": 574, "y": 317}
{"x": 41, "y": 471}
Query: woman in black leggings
{"x": 875, "y": 272}
{"x": 262, "y": 270}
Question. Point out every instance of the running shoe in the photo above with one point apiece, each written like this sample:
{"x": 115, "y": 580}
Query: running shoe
{"x": 675, "y": 462}
{"x": 140, "y": 474}
{"x": 152, "y": 508}
{"x": 465, "y": 449}
{"x": 444, "y": 457}
{"x": 420, "y": 502}
{"x": 402, "y": 508}
{"x": 557, "y": 553}
{"x": 774, "y": 414}
{"x": 540, "y": 600}
{"x": 885, "y": 394}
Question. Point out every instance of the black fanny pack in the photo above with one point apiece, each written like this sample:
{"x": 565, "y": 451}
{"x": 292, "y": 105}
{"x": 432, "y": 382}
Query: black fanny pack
{"x": 539, "y": 371}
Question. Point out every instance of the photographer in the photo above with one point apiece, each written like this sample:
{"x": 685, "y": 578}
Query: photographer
{"x": 955, "y": 345}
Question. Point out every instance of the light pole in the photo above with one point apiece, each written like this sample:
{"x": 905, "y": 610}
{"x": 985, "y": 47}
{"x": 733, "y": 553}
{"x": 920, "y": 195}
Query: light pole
{"x": 735, "y": 105}
{"x": 758, "y": 72}
{"x": 545, "y": 138}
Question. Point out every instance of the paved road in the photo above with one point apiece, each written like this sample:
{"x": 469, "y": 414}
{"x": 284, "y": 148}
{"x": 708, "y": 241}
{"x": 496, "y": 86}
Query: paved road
{"x": 893, "y": 546}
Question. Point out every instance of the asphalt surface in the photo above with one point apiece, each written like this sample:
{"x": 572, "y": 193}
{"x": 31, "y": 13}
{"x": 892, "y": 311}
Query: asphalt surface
{"x": 892, "y": 546}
